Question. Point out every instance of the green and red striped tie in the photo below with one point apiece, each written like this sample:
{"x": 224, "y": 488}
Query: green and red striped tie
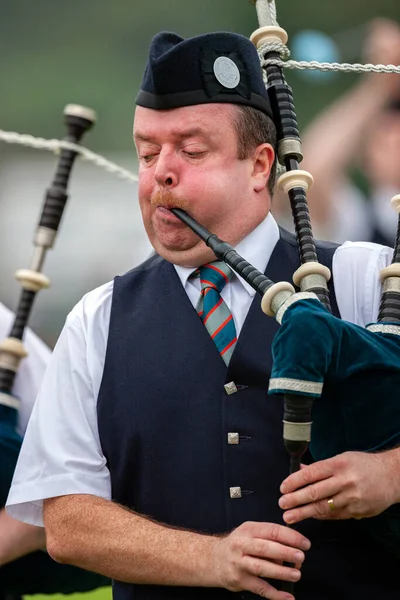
{"x": 212, "y": 309}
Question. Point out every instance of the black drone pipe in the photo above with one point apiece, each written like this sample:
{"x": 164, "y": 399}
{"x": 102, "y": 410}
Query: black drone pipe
{"x": 224, "y": 251}
{"x": 389, "y": 310}
{"x": 78, "y": 120}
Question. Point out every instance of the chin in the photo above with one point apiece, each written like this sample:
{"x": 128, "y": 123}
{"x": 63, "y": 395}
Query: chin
{"x": 193, "y": 256}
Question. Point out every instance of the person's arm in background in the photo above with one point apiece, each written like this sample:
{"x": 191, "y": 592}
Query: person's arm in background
{"x": 18, "y": 539}
{"x": 332, "y": 142}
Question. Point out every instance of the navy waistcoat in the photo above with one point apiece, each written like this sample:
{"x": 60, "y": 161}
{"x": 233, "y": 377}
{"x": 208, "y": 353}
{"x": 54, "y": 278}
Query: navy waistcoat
{"x": 164, "y": 418}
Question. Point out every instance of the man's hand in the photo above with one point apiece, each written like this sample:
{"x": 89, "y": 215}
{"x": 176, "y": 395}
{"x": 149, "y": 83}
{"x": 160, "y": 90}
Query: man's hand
{"x": 257, "y": 550}
{"x": 357, "y": 484}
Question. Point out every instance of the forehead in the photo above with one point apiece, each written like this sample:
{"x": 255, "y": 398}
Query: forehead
{"x": 206, "y": 119}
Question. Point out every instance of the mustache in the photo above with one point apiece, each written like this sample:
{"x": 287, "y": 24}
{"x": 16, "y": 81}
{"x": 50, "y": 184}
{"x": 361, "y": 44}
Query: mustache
{"x": 166, "y": 199}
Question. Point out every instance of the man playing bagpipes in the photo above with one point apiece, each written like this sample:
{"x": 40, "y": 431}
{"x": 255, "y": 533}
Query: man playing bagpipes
{"x": 161, "y": 461}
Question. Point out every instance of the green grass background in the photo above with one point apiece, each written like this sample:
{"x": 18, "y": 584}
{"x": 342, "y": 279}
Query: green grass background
{"x": 100, "y": 594}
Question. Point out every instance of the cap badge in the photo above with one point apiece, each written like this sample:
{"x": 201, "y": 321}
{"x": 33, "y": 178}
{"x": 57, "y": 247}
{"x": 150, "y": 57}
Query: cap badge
{"x": 226, "y": 72}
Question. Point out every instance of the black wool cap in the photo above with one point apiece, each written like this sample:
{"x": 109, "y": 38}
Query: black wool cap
{"x": 210, "y": 68}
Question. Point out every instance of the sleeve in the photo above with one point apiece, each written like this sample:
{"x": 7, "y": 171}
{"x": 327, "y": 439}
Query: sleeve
{"x": 356, "y": 268}
{"x": 61, "y": 453}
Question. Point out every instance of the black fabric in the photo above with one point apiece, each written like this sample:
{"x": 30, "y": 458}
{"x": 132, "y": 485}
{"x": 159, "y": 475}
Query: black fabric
{"x": 37, "y": 573}
{"x": 164, "y": 416}
{"x": 180, "y": 72}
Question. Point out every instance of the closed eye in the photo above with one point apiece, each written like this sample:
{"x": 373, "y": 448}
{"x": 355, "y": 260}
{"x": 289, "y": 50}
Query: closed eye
{"x": 195, "y": 154}
{"x": 147, "y": 158}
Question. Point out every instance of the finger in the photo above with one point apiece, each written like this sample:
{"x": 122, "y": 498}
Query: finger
{"x": 320, "y": 510}
{"x": 265, "y": 590}
{"x": 280, "y": 562}
{"x": 273, "y": 551}
{"x": 265, "y": 568}
{"x": 305, "y": 476}
{"x": 311, "y": 493}
{"x": 277, "y": 533}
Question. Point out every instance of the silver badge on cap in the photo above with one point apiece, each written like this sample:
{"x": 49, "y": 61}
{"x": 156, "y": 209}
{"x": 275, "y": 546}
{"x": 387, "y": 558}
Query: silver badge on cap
{"x": 226, "y": 72}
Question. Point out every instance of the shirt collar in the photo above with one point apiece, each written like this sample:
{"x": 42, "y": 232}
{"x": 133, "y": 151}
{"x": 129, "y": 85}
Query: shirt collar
{"x": 256, "y": 248}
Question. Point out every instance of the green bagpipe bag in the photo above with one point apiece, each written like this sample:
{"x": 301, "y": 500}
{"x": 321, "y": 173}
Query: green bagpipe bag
{"x": 354, "y": 376}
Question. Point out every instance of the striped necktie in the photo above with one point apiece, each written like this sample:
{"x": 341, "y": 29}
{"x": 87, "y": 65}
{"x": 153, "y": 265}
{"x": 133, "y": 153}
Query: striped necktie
{"x": 212, "y": 309}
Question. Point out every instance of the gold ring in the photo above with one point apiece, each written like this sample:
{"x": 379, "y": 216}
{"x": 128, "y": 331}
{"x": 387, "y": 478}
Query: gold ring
{"x": 331, "y": 504}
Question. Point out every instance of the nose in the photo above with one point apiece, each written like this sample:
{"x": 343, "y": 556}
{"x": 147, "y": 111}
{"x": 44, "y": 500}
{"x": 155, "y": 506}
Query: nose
{"x": 166, "y": 172}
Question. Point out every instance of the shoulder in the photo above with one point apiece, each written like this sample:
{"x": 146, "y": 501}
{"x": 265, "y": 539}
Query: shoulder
{"x": 138, "y": 281}
{"x": 325, "y": 249}
{"x": 95, "y": 307}
{"x": 291, "y": 239}
{"x": 363, "y": 255}
{"x": 88, "y": 322}
{"x": 153, "y": 263}
{"x": 92, "y": 312}
{"x": 356, "y": 269}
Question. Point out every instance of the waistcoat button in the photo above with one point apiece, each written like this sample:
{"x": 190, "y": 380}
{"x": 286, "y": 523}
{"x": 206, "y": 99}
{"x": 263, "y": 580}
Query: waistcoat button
{"x": 235, "y": 492}
{"x": 233, "y": 438}
{"x": 230, "y": 388}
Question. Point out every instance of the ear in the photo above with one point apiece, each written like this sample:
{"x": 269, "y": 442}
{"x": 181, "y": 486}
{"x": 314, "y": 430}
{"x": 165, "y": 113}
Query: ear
{"x": 263, "y": 159}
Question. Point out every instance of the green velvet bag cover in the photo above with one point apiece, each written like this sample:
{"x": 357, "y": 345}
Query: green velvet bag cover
{"x": 358, "y": 405}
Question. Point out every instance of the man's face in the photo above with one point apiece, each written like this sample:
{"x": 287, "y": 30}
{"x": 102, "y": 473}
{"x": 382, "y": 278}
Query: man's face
{"x": 188, "y": 159}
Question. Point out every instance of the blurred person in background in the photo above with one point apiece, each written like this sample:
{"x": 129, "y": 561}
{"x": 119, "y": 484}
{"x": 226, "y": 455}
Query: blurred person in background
{"x": 25, "y": 566}
{"x": 360, "y": 130}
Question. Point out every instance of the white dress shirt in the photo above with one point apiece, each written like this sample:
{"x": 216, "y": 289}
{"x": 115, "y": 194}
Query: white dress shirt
{"x": 62, "y": 453}
{"x": 31, "y": 369}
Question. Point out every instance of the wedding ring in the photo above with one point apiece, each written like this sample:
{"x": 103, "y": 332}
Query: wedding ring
{"x": 331, "y": 504}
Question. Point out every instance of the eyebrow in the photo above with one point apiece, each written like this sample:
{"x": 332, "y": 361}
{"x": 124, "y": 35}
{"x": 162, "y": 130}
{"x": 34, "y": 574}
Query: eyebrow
{"x": 186, "y": 134}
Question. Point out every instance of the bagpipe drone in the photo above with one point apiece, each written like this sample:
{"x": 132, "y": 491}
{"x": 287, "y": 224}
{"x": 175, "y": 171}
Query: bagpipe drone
{"x": 78, "y": 120}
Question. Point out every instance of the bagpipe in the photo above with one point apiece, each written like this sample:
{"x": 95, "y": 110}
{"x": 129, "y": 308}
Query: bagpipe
{"x": 78, "y": 120}
{"x": 340, "y": 382}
